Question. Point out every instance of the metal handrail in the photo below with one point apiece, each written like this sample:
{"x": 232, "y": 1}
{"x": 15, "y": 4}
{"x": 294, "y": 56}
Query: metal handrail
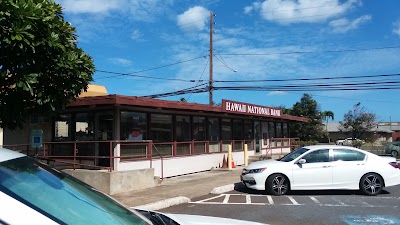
{"x": 162, "y": 160}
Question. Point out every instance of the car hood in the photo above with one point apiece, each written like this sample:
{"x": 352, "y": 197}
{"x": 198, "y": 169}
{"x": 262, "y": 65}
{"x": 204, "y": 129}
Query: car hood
{"x": 263, "y": 163}
{"x": 184, "y": 219}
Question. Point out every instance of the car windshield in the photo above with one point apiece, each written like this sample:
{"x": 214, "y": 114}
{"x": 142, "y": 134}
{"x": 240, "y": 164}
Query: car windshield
{"x": 293, "y": 155}
{"x": 61, "y": 197}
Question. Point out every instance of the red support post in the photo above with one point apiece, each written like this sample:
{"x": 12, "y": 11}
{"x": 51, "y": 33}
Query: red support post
{"x": 75, "y": 150}
{"x": 111, "y": 157}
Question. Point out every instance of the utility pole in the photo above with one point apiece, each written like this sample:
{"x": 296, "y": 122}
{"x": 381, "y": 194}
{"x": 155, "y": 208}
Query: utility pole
{"x": 210, "y": 85}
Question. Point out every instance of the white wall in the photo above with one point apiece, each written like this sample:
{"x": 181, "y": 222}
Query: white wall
{"x": 1, "y": 136}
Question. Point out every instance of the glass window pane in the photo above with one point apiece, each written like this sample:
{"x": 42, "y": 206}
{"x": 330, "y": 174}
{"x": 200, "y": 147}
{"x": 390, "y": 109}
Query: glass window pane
{"x": 279, "y": 130}
{"x": 199, "y": 129}
{"x": 84, "y": 127}
{"x": 265, "y": 135}
{"x": 285, "y": 130}
{"x": 347, "y": 155}
{"x": 317, "y": 156}
{"x": 226, "y": 129}
{"x": 182, "y": 128}
{"x": 248, "y": 130}
{"x": 133, "y": 126}
{"x": 62, "y": 128}
{"x": 161, "y": 127}
{"x": 271, "y": 130}
{"x": 213, "y": 129}
{"x": 237, "y": 129}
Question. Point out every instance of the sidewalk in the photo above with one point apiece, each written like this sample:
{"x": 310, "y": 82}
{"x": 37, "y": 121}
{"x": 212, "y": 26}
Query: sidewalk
{"x": 181, "y": 189}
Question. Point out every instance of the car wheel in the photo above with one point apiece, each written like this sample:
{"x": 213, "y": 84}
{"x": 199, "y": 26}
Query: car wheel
{"x": 394, "y": 153}
{"x": 371, "y": 184}
{"x": 277, "y": 184}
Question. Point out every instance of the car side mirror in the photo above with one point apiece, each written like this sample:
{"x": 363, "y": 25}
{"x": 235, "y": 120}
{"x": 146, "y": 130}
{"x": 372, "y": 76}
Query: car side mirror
{"x": 301, "y": 161}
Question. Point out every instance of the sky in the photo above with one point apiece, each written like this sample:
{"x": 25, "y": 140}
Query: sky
{"x": 284, "y": 47}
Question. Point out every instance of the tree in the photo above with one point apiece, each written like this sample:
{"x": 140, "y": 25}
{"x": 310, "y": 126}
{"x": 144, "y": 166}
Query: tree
{"x": 313, "y": 129}
{"x": 41, "y": 67}
{"x": 357, "y": 121}
{"x": 325, "y": 117}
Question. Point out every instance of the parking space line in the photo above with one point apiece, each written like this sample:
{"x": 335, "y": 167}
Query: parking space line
{"x": 293, "y": 201}
{"x": 270, "y": 200}
{"x": 226, "y": 199}
{"x": 315, "y": 200}
{"x": 208, "y": 199}
{"x": 248, "y": 199}
{"x": 340, "y": 202}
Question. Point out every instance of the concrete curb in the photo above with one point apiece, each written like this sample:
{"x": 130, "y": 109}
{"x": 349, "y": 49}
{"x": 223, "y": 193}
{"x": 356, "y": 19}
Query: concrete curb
{"x": 163, "y": 203}
{"x": 223, "y": 189}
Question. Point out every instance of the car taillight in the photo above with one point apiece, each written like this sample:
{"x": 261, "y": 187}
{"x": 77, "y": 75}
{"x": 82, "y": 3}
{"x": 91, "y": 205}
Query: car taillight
{"x": 394, "y": 164}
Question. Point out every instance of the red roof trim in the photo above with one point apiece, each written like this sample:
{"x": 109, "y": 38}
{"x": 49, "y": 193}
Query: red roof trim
{"x": 156, "y": 103}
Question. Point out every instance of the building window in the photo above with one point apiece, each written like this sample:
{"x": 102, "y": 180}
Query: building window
{"x": 62, "y": 128}
{"x": 213, "y": 129}
{"x": 237, "y": 129}
{"x": 182, "y": 128}
{"x": 271, "y": 130}
{"x": 279, "y": 130}
{"x": 265, "y": 135}
{"x": 226, "y": 131}
{"x": 84, "y": 127}
{"x": 285, "y": 130}
{"x": 161, "y": 127}
{"x": 248, "y": 129}
{"x": 133, "y": 126}
{"x": 199, "y": 129}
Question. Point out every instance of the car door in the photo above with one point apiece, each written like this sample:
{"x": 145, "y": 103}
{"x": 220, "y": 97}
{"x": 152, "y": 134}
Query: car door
{"x": 348, "y": 166}
{"x": 315, "y": 173}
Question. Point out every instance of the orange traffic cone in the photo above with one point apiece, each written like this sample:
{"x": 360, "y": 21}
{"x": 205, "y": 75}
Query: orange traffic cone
{"x": 224, "y": 163}
{"x": 233, "y": 163}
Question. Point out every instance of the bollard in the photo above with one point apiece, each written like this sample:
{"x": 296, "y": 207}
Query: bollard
{"x": 246, "y": 158}
{"x": 229, "y": 157}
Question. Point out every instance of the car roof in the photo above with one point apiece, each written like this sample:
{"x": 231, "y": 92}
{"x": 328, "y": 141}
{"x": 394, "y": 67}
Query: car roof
{"x": 313, "y": 147}
{"x": 7, "y": 154}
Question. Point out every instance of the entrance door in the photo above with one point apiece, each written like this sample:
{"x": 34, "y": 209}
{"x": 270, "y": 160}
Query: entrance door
{"x": 257, "y": 136}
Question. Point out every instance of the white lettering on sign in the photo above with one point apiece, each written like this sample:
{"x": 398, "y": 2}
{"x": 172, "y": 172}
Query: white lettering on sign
{"x": 251, "y": 109}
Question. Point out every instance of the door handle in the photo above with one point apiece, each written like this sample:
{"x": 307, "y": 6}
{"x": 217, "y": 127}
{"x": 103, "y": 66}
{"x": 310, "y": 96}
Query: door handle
{"x": 326, "y": 166}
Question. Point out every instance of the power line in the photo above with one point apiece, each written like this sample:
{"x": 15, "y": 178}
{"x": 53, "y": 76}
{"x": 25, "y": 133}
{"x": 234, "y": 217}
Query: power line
{"x": 308, "y": 79}
{"x": 309, "y": 52}
{"x": 117, "y": 74}
{"x": 199, "y": 79}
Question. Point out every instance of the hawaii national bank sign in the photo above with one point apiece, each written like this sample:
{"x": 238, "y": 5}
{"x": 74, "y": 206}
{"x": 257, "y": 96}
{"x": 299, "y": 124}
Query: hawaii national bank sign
{"x": 250, "y": 109}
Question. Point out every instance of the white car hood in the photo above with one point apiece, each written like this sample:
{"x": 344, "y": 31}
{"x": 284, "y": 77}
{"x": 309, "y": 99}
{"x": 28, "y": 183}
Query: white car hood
{"x": 262, "y": 164}
{"x": 184, "y": 219}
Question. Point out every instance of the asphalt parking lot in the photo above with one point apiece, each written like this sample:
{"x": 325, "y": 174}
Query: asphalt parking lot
{"x": 299, "y": 207}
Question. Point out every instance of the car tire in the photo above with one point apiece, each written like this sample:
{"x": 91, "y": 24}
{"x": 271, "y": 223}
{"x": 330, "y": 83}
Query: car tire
{"x": 277, "y": 184}
{"x": 394, "y": 153}
{"x": 371, "y": 184}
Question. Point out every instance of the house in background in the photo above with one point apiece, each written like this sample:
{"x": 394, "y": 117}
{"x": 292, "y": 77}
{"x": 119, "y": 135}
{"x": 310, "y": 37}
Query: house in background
{"x": 383, "y": 132}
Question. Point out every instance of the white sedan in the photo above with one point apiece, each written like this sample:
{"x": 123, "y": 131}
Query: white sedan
{"x": 34, "y": 193}
{"x": 323, "y": 167}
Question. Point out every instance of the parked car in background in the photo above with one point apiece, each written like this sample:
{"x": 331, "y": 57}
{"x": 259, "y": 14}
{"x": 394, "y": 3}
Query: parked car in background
{"x": 393, "y": 148}
{"x": 323, "y": 167}
{"x": 34, "y": 193}
{"x": 348, "y": 141}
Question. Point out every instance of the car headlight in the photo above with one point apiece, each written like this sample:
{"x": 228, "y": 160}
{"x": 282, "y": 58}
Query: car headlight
{"x": 260, "y": 170}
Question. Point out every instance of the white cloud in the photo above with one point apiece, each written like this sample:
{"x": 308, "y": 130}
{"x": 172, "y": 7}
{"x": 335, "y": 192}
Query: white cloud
{"x": 136, "y": 34}
{"x": 344, "y": 25}
{"x": 253, "y": 7}
{"x": 121, "y": 61}
{"x": 304, "y": 11}
{"x": 193, "y": 19}
{"x": 396, "y": 27}
{"x": 274, "y": 93}
{"x": 137, "y": 10}
{"x": 89, "y": 6}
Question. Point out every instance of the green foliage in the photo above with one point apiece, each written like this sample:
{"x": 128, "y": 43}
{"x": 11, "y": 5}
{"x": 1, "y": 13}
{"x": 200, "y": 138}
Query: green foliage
{"x": 357, "y": 122}
{"x": 297, "y": 144}
{"x": 41, "y": 67}
{"x": 313, "y": 129}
